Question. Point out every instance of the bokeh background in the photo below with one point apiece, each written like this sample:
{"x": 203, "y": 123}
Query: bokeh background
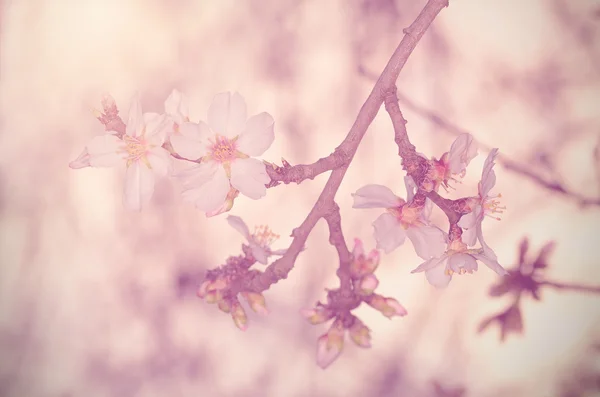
{"x": 99, "y": 301}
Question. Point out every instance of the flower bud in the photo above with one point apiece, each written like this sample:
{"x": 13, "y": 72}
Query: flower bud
{"x": 239, "y": 316}
{"x": 360, "y": 334}
{"x": 367, "y": 284}
{"x": 389, "y": 307}
{"x": 318, "y": 315}
{"x": 256, "y": 302}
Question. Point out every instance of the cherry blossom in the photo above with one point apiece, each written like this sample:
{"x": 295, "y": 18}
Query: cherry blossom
{"x": 457, "y": 259}
{"x": 259, "y": 241}
{"x": 453, "y": 162}
{"x": 402, "y": 219}
{"x": 225, "y": 147}
{"x": 483, "y": 205}
{"x": 140, "y": 149}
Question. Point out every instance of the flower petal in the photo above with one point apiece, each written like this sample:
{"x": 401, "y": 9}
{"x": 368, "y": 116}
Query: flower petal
{"x": 259, "y": 253}
{"x": 430, "y": 264}
{"x": 462, "y": 261}
{"x": 82, "y": 161}
{"x": 156, "y": 129}
{"x": 238, "y": 224}
{"x": 207, "y": 192}
{"x": 492, "y": 264}
{"x": 227, "y": 114}
{"x": 161, "y": 161}
{"x": 139, "y": 186}
{"x": 411, "y": 188}
{"x": 258, "y": 135}
{"x": 104, "y": 150}
{"x": 462, "y": 151}
{"x": 249, "y": 176}
{"x": 191, "y": 142}
{"x": 176, "y": 106}
{"x": 135, "y": 118}
{"x": 488, "y": 176}
{"x": 375, "y": 196}
{"x": 487, "y": 250}
{"x": 389, "y": 234}
{"x": 437, "y": 277}
{"x": 429, "y": 241}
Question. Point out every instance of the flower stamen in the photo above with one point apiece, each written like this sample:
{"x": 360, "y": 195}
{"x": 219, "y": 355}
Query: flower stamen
{"x": 264, "y": 236}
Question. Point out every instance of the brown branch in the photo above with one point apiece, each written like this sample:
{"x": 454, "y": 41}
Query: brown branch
{"x": 336, "y": 238}
{"x": 280, "y": 268}
{"x": 507, "y": 163}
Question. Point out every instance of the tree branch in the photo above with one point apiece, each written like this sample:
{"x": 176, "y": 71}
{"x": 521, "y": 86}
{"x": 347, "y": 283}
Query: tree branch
{"x": 572, "y": 287}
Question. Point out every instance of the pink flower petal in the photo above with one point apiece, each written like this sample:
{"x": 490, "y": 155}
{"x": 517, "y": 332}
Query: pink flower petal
{"x": 191, "y": 142}
{"x": 411, "y": 188}
{"x": 82, "y": 161}
{"x": 157, "y": 129}
{"x": 135, "y": 118}
{"x": 139, "y": 186}
{"x": 460, "y": 261}
{"x": 375, "y": 196}
{"x": 259, "y": 253}
{"x": 428, "y": 241}
{"x": 437, "y": 276}
{"x": 104, "y": 151}
{"x": 430, "y": 264}
{"x": 258, "y": 135}
{"x": 161, "y": 161}
{"x": 492, "y": 264}
{"x": 208, "y": 194}
{"x": 462, "y": 151}
{"x": 249, "y": 176}
{"x": 399, "y": 310}
{"x": 389, "y": 234}
{"x": 238, "y": 224}
{"x": 227, "y": 114}
{"x": 176, "y": 106}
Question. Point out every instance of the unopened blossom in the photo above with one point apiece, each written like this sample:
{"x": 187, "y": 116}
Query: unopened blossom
{"x": 482, "y": 205}
{"x": 457, "y": 259}
{"x": 402, "y": 219}
{"x": 360, "y": 334}
{"x": 389, "y": 307}
{"x": 256, "y": 302}
{"x": 238, "y": 314}
{"x": 259, "y": 241}
{"x": 454, "y": 162}
{"x": 140, "y": 150}
{"x": 225, "y": 147}
{"x": 330, "y": 344}
{"x": 317, "y": 315}
{"x": 362, "y": 264}
{"x": 366, "y": 285}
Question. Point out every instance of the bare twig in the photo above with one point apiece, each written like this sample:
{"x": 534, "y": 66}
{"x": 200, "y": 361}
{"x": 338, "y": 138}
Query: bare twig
{"x": 572, "y": 287}
{"x": 280, "y": 268}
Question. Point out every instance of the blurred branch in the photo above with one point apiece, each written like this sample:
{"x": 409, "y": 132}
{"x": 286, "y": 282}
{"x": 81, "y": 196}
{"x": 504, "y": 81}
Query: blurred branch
{"x": 551, "y": 185}
{"x": 572, "y": 287}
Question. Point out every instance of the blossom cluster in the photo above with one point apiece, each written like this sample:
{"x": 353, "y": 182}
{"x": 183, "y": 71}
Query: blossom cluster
{"x": 222, "y": 152}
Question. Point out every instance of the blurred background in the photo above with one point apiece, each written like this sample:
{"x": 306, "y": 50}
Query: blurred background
{"x": 99, "y": 301}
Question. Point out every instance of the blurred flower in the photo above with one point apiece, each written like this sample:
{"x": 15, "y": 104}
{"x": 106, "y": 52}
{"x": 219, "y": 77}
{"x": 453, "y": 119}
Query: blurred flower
{"x": 483, "y": 205}
{"x": 460, "y": 260}
{"x": 389, "y": 307}
{"x": 141, "y": 150}
{"x": 225, "y": 146}
{"x": 510, "y": 321}
{"x": 454, "y": 162}
{"x": 402, "y": 219}
{"x": 259, "y": 241}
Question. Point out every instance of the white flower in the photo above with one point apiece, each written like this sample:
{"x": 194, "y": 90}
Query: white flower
{"x": 225, "y": 146}
{"x": 401, "y": 220}
{"x": 481, "y": 206}
{"x": 259, "y": 241}
{"x": 140, "y": 149}
{"x": 457, "y": 260}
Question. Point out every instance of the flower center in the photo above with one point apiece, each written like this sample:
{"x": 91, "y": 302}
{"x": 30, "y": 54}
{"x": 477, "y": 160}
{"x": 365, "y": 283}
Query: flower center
{"x": 264, "y": 236}
{"x": 223, "y": 150}
{"x": 492, "y": 206}
{"x": 406, "y": 215}
{"x": 136, "y": 149}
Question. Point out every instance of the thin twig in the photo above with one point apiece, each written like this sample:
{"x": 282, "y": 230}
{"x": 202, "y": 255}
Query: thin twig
{"x": 572, "y": 287}
{"x": 280, "y": 268}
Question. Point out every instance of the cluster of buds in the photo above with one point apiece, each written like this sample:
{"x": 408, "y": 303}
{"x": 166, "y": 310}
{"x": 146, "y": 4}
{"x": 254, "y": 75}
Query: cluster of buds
{"x": 217, "y": 291}
{"x": 339, "y": 307}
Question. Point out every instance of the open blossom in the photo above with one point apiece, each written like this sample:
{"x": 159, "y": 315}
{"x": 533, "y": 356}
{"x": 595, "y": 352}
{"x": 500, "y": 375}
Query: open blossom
{"x": 453, "y": 162}
{"x": 225, "y": 146}
{"x": 140, "y": 150}
{"x": 483, "y": 205}
{"x": 401, "y": 220}
{"x": 457, "y": 260}
{"x": 259, "y": 241}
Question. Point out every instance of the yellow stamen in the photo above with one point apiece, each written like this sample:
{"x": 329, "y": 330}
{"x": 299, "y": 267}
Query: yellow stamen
{"x": 264, "y": 236}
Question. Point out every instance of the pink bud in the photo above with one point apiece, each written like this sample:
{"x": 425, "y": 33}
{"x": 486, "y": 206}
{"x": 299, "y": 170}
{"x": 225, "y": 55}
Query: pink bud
{"x": 360, "y": 334}
{"x": 224, "y": 305}
{"x": 389, "y": 307}
{"x": 317, "y": 315}
{"x": 239, "y": 316}
{"x": 213, "y": 296}
{"x": 330, "y": 345}
{"x": 256, "y": 302}
{"x": 368, "y": 284}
